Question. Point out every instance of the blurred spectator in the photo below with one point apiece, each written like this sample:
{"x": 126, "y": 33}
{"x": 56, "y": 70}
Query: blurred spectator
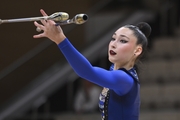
{"x": 86, "y": 98}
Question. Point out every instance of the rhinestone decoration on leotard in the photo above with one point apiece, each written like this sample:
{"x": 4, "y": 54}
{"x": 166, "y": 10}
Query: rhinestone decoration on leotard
{"x": 103, "y": 103}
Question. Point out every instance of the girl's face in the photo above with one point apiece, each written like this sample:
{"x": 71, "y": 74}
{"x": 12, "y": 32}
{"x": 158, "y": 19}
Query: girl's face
{"x": 123, "y": 49}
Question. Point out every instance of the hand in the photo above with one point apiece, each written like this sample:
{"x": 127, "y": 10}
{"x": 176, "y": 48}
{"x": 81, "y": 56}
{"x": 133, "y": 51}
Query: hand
{"x": 50, "y": 31}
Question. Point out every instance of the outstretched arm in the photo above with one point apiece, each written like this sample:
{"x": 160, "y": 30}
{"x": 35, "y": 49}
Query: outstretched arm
{"x": 117, "y": 80}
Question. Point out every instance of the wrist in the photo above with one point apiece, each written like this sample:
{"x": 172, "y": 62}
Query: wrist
{"x": 60, "y": 39}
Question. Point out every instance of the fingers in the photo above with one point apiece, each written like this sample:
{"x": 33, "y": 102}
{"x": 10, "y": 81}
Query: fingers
{"x": 38, "y": 36}
{"x": 39, "y": 25}
{"x": 44, "y": 22}
{"x": 43, "y": 12}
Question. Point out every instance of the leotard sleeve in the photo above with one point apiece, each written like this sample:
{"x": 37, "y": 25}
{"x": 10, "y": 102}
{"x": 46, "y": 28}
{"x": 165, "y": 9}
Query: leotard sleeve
{"x": 117, "y": 80}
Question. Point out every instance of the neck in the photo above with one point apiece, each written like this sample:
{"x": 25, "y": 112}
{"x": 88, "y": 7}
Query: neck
{"x": 127, "y": 66}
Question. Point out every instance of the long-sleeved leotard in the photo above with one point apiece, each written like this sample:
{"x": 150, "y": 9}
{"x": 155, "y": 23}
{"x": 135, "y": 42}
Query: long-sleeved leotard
{"x": 116, "y": 79}
{"x": 123, "y": 87}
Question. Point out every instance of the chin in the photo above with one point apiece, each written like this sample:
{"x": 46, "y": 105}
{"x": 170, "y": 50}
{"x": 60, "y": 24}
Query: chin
{"x": 111, "y": 60}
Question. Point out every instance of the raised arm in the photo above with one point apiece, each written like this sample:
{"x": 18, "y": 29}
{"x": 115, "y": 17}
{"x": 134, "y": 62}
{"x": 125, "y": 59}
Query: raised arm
{"x": 117, "y": 80}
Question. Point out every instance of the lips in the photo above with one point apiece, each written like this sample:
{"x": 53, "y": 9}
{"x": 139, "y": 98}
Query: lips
{"x": 112, "y": 52}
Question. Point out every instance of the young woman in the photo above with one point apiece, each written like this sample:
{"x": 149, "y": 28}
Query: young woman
{"x": 120, "y": 98}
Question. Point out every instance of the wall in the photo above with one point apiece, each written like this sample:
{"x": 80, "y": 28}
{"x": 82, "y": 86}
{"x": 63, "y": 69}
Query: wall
{"x": 16, "y": 39}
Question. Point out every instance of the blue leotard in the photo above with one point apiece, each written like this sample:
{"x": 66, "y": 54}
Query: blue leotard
{"x": 120, "y": 99}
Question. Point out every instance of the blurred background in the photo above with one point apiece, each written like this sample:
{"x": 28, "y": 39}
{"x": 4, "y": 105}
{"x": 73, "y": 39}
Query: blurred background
{"x": 36, "y": 83}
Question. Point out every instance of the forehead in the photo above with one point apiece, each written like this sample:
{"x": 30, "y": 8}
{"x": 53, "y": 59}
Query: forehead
{"x": 124, "y": 31}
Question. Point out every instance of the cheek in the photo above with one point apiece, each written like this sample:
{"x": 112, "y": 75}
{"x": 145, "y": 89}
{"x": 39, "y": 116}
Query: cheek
{"x": 126, "y": 51}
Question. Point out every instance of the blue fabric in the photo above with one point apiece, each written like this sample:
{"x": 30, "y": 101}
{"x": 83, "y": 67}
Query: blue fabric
{"x": 125, "y": 107}
{"x": 124, "y": 98}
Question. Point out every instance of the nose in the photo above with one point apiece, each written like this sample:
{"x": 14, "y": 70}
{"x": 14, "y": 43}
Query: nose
{"x": 113, "y": 44}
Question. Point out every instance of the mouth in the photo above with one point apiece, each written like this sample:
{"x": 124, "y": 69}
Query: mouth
{"x": 112, "y": 52}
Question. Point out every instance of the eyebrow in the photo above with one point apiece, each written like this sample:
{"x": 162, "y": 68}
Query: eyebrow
{"x": 124, "y": 36}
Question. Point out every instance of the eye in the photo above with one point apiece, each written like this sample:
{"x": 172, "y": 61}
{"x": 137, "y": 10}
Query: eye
{"x": 123, "y": 41}
{"x": 113, "y": 39}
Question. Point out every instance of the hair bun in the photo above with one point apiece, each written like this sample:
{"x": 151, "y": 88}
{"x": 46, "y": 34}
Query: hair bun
{"x": 145, "y": 28}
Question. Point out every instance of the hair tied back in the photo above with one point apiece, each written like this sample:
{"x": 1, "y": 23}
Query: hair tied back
{"x": 145, "y": 28}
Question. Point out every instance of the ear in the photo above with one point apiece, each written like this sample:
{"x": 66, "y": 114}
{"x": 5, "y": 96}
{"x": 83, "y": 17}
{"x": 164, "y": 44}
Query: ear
{"x": 138, "y": 50}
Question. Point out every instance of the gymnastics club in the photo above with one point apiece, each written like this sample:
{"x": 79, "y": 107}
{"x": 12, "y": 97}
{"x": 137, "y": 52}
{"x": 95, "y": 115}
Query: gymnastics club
{"x": 58, "y": 17}
{"x": 77, "y": 19}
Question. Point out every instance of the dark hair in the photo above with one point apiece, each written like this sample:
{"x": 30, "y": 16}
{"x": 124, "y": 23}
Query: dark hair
{"x": 142, "y": 31}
